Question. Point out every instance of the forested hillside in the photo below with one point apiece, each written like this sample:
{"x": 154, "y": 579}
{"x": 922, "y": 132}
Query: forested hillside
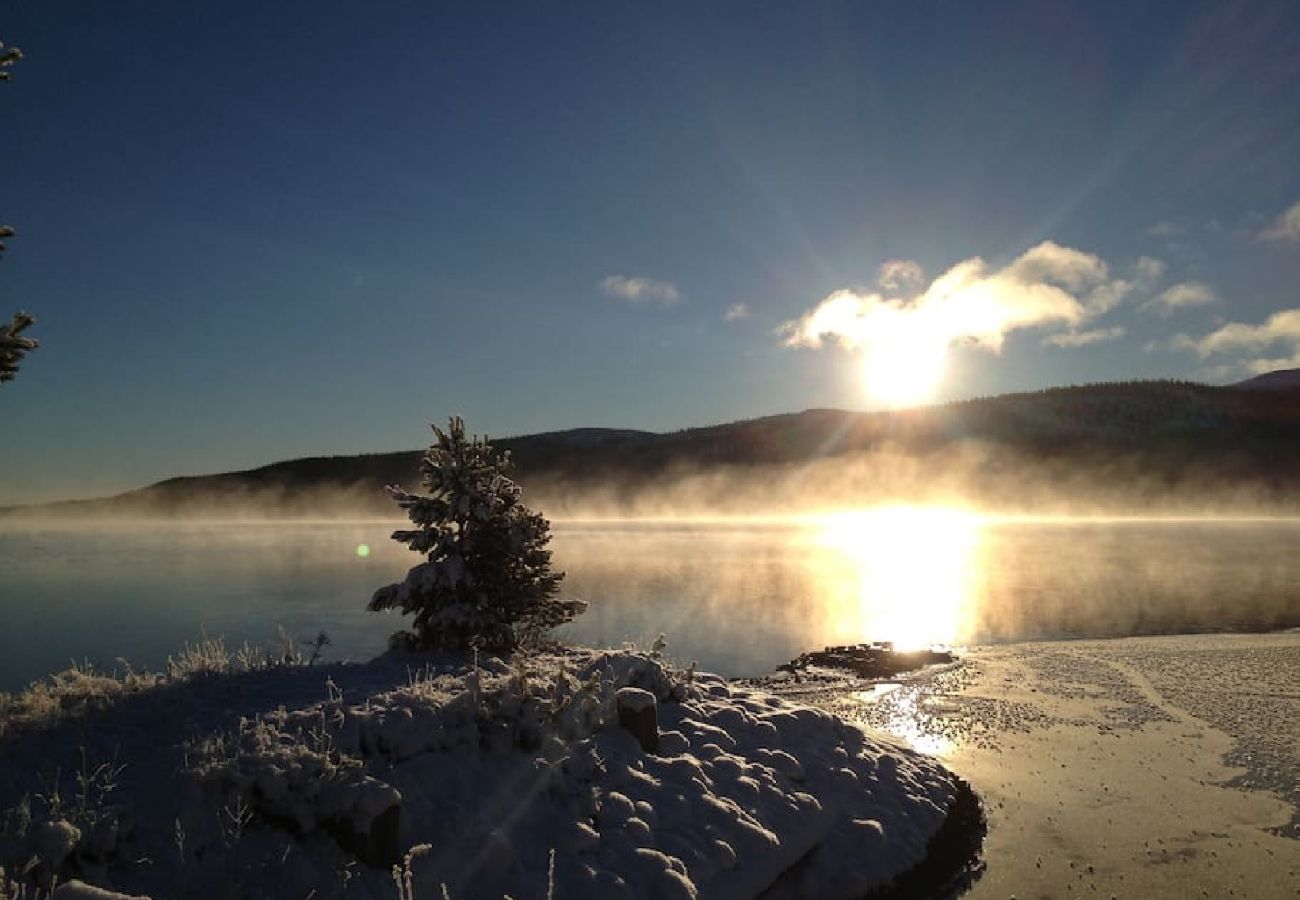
{"x": 1166, "y": 435}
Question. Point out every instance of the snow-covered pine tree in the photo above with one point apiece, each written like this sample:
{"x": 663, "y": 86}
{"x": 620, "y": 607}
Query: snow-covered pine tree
{"x": 13, "y": 345}
{"x": 487, "y": 581}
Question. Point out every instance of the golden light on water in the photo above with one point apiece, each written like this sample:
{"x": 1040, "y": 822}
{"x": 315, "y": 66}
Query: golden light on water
{"x": 910, "y": 716}
{"x": 907, "y": 575}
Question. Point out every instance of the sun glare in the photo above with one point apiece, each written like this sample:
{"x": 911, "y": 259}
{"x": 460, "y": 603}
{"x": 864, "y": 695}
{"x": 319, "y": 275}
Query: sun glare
{"x": 910, "y": 577}
{"x": 907, "y": 369}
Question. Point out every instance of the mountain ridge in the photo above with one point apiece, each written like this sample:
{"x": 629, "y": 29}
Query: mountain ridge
{"x": 1279, "y": 379}
{"x": 1171, "y": 433}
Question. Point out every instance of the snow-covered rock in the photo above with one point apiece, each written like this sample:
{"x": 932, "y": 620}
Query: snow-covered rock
{"x": 638, "y": 713}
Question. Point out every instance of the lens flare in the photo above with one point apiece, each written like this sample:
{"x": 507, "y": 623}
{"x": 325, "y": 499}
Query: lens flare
{"x": 363, "y": 550}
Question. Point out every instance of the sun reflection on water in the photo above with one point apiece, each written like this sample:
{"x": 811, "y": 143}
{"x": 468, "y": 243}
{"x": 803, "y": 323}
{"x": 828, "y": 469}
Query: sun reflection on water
{"x": 911, "y": 718}
{"x": 907, "y": 575}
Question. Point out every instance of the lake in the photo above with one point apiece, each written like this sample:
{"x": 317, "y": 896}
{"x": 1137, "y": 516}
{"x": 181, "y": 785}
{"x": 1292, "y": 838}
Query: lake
{"x": 737, "y": 596}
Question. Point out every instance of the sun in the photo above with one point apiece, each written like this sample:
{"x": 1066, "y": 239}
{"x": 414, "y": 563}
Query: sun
{"x": 906, "y": 368}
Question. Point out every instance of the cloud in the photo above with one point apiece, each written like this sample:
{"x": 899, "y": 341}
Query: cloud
{"x": 900, "y": 275}
{"x": 1149, "y": 270}
{"x": 1164, "y": 229}
{"x": 1181, "y": 296}
{"x": 1279, "y": 332}
{"x": 640, "y": 290}
{"x": 736, "y": 311}
{"x": 1285, "y": 228}
{"x": 1083, "y": 338}
{"x": 970, "y": 304}
{"x": 1146, "y": 271}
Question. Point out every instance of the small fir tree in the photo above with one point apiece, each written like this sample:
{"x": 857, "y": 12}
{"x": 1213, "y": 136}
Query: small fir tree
{"x": 487, "y": 581}
{"x": 13, "y": 346}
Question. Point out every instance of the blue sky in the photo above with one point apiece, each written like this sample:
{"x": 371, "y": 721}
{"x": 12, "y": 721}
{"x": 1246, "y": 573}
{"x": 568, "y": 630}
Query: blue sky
{"x": 254, "y": 231}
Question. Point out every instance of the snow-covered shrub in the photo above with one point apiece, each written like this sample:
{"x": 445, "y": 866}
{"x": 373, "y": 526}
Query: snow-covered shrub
{"x": 64, "y": 825}
{"x": 487, "y": 581}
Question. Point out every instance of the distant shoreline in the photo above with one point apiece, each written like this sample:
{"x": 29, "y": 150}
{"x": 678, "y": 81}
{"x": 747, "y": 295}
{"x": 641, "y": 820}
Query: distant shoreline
{"x": 1123, "y": 448}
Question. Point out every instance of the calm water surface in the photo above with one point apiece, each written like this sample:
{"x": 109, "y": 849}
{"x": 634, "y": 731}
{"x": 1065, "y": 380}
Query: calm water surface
{"x": 737, "y": 597}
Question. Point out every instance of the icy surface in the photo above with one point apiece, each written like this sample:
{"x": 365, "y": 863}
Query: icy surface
{"x": 1142, "y": 767}
{"x": 243, "y": 783}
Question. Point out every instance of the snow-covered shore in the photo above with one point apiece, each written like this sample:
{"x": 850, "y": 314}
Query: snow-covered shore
{"x": 489, "y": 779}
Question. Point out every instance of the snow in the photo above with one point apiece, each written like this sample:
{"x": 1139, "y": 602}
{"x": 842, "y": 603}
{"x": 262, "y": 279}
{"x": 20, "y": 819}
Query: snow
{"x": 79, "y": 890}
{"x": 273, "y": 783}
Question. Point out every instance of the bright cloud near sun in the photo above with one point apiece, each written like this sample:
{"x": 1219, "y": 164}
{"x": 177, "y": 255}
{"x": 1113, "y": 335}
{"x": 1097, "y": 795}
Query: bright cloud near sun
{"x": 904, "y": 338}
{"x": 900, "y": 275}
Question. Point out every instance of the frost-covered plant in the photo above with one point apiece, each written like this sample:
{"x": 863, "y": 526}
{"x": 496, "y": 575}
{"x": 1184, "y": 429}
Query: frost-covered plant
{"x": 487, "y": 581}
{"x": 404, "y": 877}
{"x": 206, "y": 656}
{"x": 82, "y": 688}
{"x": 67, "y": 693}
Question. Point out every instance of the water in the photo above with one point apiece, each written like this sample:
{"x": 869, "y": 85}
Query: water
{"x": 738, "y": 597}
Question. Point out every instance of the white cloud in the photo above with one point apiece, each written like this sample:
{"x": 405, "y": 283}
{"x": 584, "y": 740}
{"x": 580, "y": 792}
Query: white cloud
{"x": 1181, "y": 296}
{"x": 1146, "y": 271}
{"x": 970, "y": 304}
{"x": 1083, "y": 338}
{"x": 899, "y": 275}
{"x": 640, "y": 290}
{"x": 1285, "y": 228}
{"x": 1252, "y": 343}
{"x": 736, "y": 312}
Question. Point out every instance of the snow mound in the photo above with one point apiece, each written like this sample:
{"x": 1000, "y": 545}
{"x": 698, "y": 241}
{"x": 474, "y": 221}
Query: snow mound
{"x": 484, "y": 779}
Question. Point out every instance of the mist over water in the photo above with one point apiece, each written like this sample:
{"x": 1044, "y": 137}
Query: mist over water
{"x": 737, "y": 595}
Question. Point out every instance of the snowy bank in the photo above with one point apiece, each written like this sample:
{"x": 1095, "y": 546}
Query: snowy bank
{"x": 530, "y": 777}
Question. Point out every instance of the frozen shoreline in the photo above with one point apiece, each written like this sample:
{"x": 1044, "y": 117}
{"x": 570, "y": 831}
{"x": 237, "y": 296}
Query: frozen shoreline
{"x": 274, "y": 782}
{"x": 1137, "y": 767}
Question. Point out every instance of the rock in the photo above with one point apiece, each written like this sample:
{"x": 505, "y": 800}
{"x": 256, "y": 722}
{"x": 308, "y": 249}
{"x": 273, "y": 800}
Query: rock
{"x": 376, "y": 844}
{"x": 638, "y": 712}
{"x": 878, "y": 660}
